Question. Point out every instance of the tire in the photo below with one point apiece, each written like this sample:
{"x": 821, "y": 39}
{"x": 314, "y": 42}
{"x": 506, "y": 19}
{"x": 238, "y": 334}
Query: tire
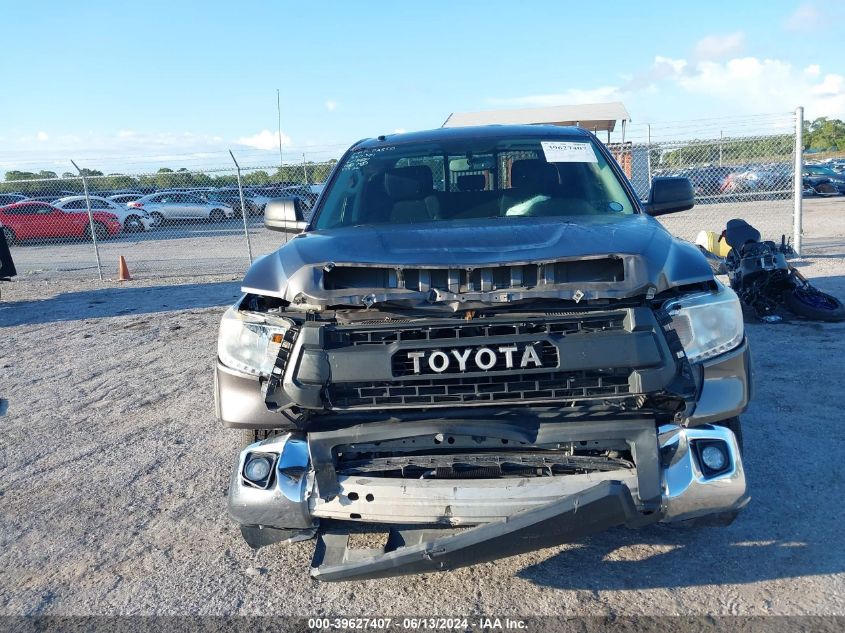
{"x": 133, "y": 224}
{"x": 813, "y": 304}
{"x": 251, "y": 436}
{"x": 158, "y": 219}
{"x": 216, "y": 216}
{"x": 734, "y": 424}
{"x": 10, "y": 236}
{"x": 99, "y": 230}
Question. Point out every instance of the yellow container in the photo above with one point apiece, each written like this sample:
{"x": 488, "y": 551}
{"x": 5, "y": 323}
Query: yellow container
{"x": 713, "y": 242}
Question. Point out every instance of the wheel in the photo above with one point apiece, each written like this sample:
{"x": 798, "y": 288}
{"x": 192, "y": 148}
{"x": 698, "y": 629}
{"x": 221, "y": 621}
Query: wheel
{"x": 813, "y": 304}
{"x": 158, "y": 218}
{"x": 216, "y": 215}
{"x": 734, "y": 424}
{"x": 9, "y": 234}
{"x": 133, "y": 224}
{"x": 100, "y": 232}
{"x": 251, "y": 436}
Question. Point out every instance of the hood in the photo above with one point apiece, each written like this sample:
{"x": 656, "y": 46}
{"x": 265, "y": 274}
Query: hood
{"x": 498, "y": 260}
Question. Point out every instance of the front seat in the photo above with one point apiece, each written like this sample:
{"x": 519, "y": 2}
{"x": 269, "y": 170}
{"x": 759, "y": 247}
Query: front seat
{"x": 411, "y": 189}
{"x": 529, "y": 178}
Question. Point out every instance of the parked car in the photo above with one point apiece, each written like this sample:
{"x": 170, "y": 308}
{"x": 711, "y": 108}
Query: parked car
{"x": 123, "y": 198}
{"x": 39, "y": 220}
{"x": 232, "y": 198}
{"x": 822, "y": 171}
{"x": 818, "y": 186}
{"x": 48, "y": 198}
{"x": 11, "y": 198}
{"x": 307, "y": 193}
{"x": 175, "y": 205}
{"x": 540, "y": 359}
{"x": 132, "y": 220}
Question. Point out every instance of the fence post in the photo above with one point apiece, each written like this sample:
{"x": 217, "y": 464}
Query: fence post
{"x": 648, "y": 155}
{"x": 798, "y": 192}
{"x": 90, "y": 220}
{"x": 243, "y": 207}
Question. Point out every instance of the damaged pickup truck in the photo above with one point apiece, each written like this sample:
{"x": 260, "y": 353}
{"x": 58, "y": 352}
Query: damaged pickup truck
{"x": 482, "y": 341}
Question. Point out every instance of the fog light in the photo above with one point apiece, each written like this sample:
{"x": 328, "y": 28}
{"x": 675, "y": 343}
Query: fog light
{"x": 714, "y": 457}
{"x": 257, "y": 468}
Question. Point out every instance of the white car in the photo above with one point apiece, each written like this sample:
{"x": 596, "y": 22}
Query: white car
{"x": 123, "y": 198}
{"x": 132, "y": 220}
{"x": 175, "y": 205}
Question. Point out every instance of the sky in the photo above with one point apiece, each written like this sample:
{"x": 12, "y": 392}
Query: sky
{"x": 131, "y": 86}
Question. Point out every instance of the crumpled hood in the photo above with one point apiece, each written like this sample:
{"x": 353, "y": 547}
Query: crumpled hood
{"x": 652, "y": 257}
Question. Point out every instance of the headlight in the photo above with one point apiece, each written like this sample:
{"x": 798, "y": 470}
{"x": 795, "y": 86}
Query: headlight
{"x": 708, "y": 324}
{"x": 248, "y": 343}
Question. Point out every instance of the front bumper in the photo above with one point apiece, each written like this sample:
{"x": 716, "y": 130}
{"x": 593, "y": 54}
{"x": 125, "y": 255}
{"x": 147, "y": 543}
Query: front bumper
{"x": 514, "y": 515}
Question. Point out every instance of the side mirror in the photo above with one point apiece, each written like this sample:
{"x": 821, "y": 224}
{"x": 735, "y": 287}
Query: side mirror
{"x": 285, "y": 214}
{"x": 670, "y": 194}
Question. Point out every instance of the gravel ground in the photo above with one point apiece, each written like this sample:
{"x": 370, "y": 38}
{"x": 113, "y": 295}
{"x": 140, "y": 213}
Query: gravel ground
{"x": 113, "y": 477}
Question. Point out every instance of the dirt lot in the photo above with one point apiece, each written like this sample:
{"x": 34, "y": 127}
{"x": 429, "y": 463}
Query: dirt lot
{"x": 113, "y": 477}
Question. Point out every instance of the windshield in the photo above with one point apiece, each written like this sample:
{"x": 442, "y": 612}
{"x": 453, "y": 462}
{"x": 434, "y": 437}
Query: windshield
{"x": 478, "y": 178}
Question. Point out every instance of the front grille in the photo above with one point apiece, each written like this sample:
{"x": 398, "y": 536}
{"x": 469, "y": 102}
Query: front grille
{"x": 478, "y": 328}
{"x": 483, "y": 279}
{"x": 509, "y": 388}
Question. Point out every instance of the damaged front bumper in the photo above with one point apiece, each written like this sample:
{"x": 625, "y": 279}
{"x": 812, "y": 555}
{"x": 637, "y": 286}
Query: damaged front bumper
{"x": 669, "y": 482}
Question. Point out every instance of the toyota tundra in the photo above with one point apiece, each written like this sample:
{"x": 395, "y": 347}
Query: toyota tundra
{"x": 480, "y": 339}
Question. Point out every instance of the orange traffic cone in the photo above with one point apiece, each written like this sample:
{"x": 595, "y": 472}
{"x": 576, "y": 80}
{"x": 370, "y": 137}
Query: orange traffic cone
{"x": 123, "y": 270}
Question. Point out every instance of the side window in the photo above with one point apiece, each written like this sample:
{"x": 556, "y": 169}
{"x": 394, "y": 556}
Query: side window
{"x": 25, "y": 210}
{"x": 76, "y": 204}
{"x": 100, "y": 204}
{"x": 43, "y": 209}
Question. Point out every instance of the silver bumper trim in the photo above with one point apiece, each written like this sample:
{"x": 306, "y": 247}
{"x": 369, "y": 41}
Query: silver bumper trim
{"x": 291, "y": 501}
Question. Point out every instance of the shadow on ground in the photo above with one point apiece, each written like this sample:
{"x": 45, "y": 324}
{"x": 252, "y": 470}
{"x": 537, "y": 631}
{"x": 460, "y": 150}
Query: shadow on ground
{"x": 123, "y": 301}
{"x": 666, "y": 556}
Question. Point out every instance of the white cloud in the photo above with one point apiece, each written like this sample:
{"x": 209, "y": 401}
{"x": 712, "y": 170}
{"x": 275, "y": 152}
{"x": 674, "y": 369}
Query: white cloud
{"x": 399, "y": 130}
{"x": 331, "y": 106}
{"x": 265, "y": 139}
{"x": 755, "y": 85}
{"x": 42, "y": 136}
{"x": 813, "y": 70}
{"x": 715, "y": 47}
{"x": 807, "y": 18}
{"x": 573, "y": 96}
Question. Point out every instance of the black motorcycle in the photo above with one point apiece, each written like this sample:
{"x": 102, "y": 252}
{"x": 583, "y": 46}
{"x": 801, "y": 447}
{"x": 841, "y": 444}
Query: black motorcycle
{"x": 765, "y": 282}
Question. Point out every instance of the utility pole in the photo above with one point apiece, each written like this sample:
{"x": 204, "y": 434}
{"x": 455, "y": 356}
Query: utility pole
{"x": 279, "y": 127}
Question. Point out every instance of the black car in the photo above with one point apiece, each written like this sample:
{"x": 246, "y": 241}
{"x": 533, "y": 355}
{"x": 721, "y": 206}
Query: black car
{"x": 821, "y": 171}
{"x": 232, "y": 198}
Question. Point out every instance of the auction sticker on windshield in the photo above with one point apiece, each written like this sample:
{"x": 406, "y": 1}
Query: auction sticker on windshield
{"x": 568, "y": 152}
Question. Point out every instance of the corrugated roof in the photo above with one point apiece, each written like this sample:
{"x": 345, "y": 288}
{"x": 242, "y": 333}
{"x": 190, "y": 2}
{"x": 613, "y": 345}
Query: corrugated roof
{"x": 592, "y": 116}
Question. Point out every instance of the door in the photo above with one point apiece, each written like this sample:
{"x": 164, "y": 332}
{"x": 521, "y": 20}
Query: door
{"x": 166, "y": 205}
{"x": 195, "y": 206}
{"x": 44, "y": 221}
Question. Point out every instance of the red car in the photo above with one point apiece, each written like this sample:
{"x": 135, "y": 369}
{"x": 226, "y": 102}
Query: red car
{"x": 39, "y": 220}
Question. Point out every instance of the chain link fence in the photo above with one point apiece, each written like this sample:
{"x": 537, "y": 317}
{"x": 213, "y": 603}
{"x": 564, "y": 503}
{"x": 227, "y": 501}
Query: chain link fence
{"x": 167, "y": 223}
{"x": 187, "y": 222}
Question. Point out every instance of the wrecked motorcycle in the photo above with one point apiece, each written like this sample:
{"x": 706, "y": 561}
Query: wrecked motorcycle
{"x": 765, "y": 282}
